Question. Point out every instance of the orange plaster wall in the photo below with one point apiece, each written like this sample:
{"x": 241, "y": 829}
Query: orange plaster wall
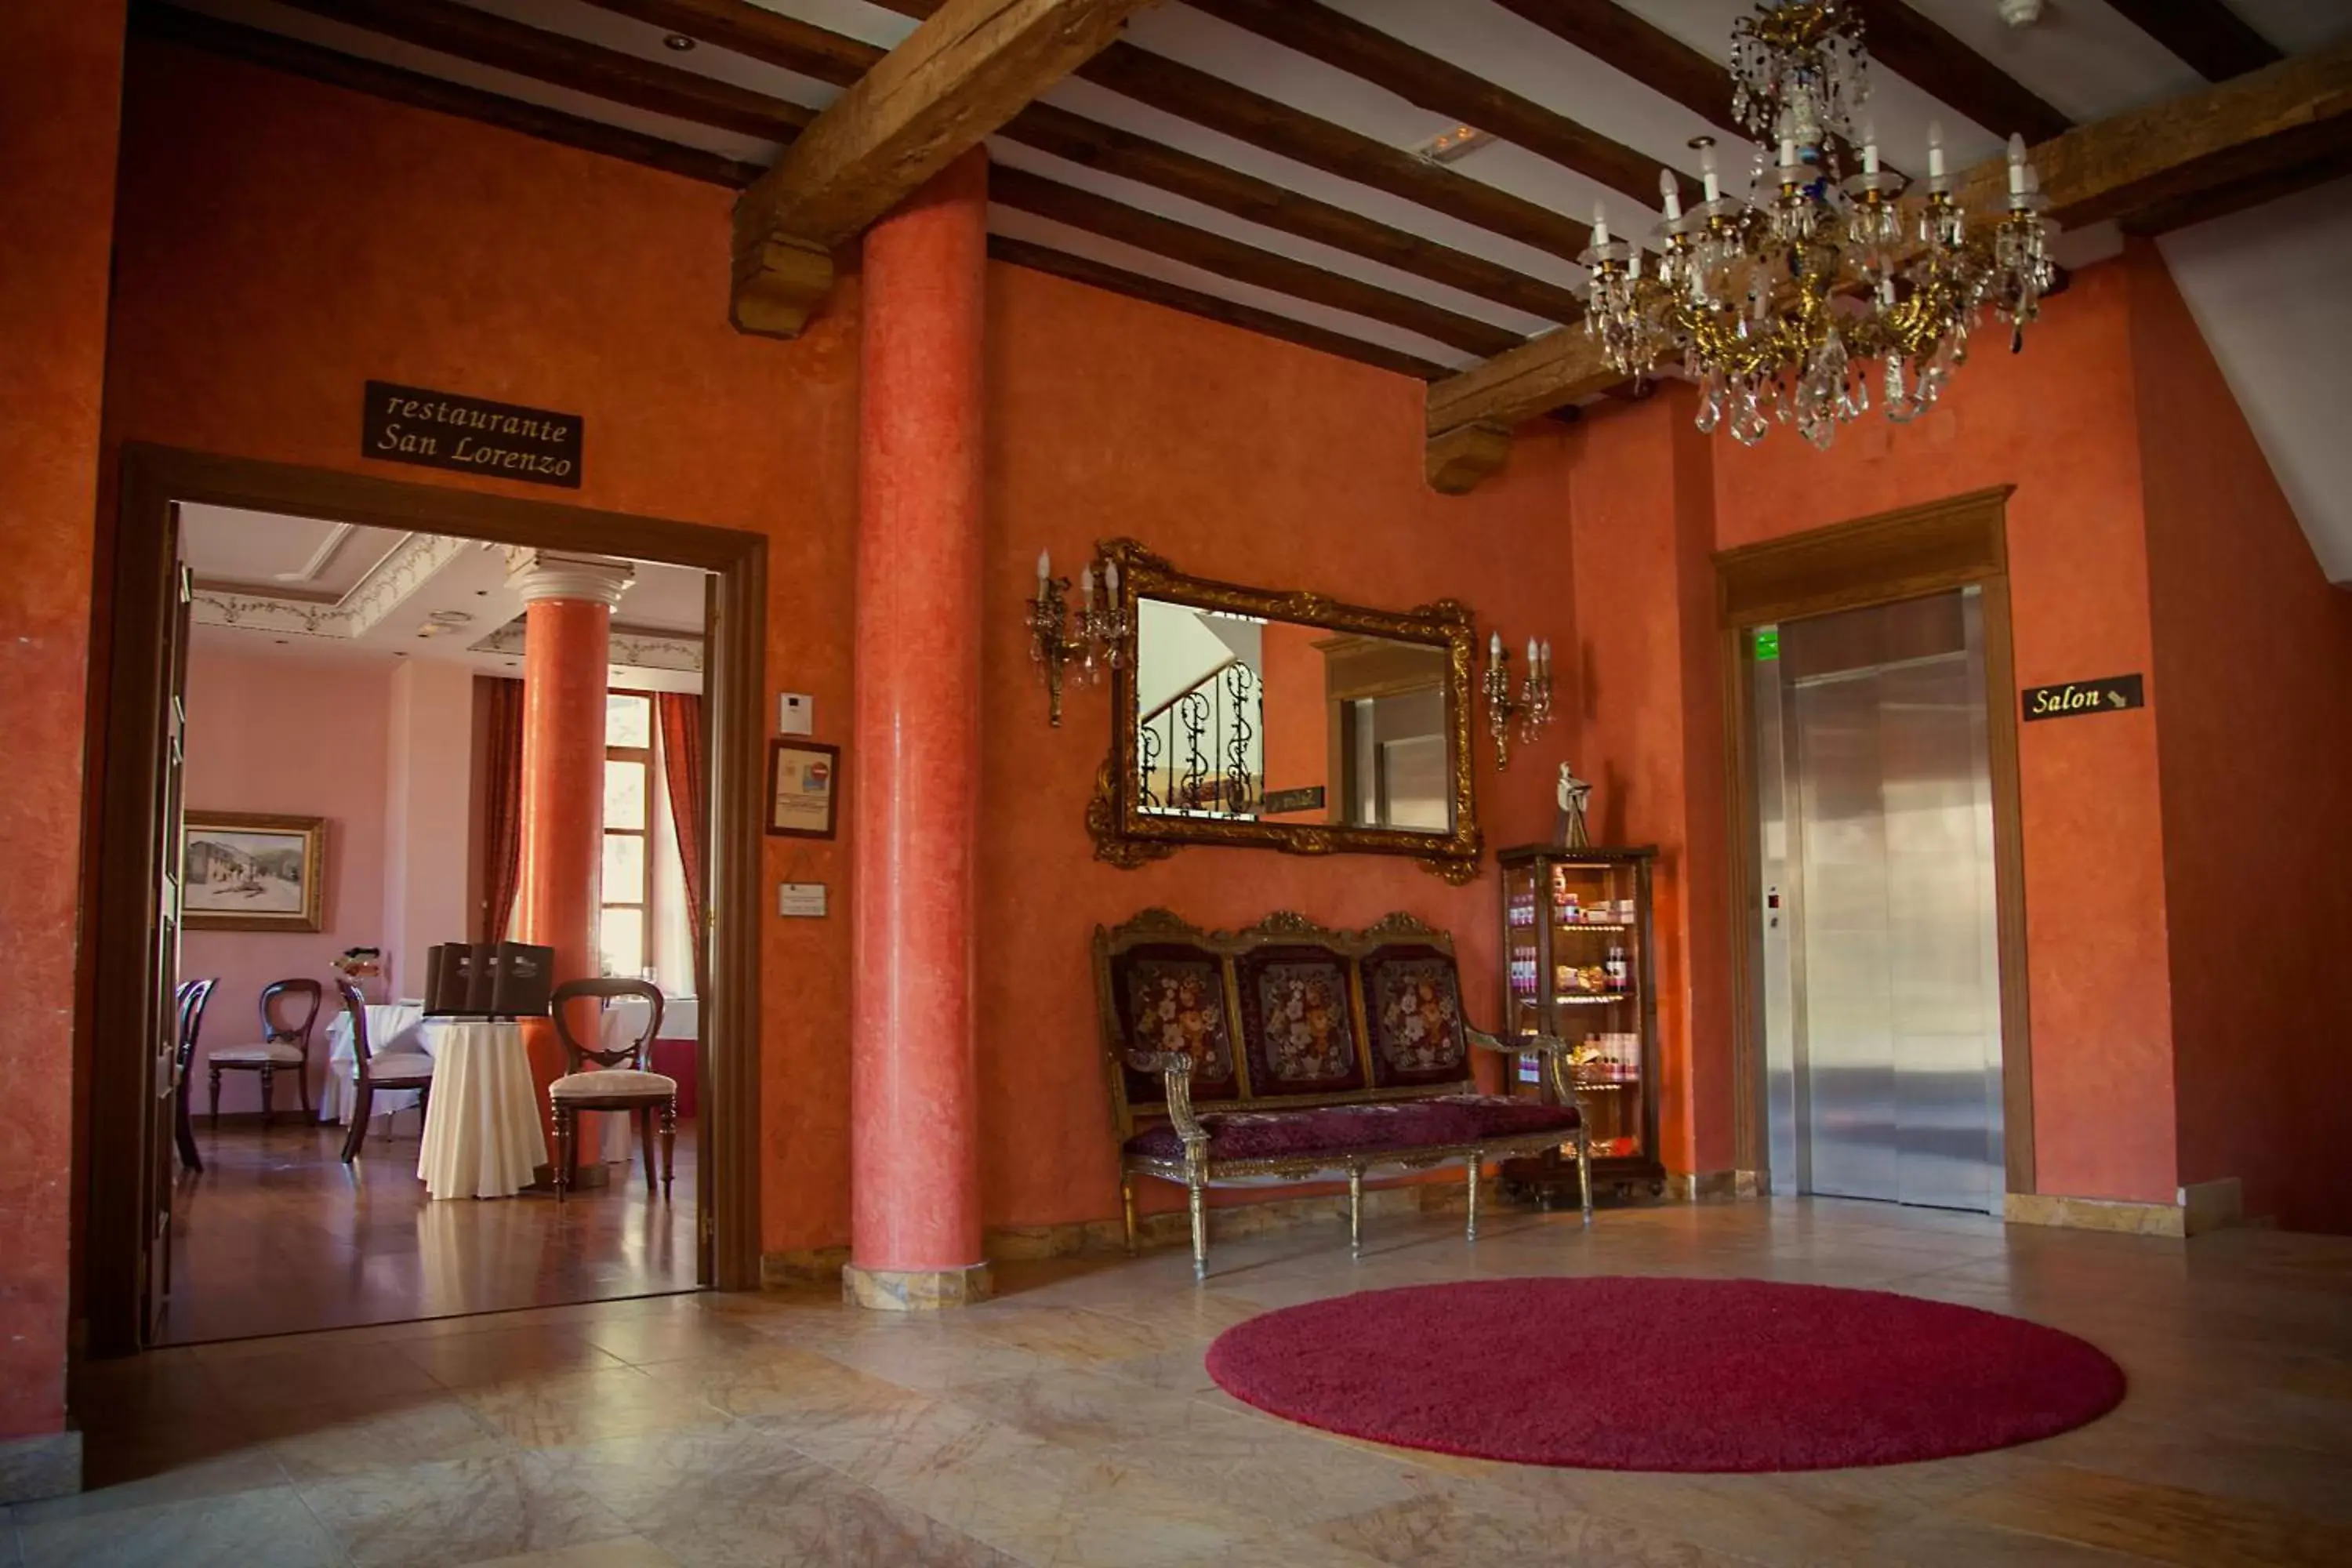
{"x": 60, "y": 81}
{"x": 2253, "y": 659}
{"x": 284, "y": 241}
{"x": 2059, "y": 422}
{"x": 1250, "y": 461}
{"x": 1649, "y": 705}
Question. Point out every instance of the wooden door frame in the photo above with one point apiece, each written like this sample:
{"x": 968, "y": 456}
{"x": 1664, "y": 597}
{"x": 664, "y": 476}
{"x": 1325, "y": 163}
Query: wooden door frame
{"x": 1958, "y": 542}
{"x": 119, "y": 872}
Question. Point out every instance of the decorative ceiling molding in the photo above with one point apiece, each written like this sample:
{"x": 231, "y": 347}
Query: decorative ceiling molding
{"x": 267, "y": 612}
{"x": 642, "y": 648}
{"x": 412, "y": 563}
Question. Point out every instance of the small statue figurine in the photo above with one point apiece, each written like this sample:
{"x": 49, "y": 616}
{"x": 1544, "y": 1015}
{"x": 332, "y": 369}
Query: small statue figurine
{"x": 1573, "y": 793}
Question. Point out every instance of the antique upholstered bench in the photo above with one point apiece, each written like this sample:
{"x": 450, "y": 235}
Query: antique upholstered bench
{"x": 1290, "y": 1052}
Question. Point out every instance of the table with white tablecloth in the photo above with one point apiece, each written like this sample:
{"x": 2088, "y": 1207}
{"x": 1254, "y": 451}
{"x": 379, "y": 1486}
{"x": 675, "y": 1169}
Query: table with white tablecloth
{"x": 482, "y": 1134}
{"x": 394, "y": 1029}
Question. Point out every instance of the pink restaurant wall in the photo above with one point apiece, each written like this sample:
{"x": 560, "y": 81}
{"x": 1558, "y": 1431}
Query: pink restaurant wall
{"x": 303, "y": 737}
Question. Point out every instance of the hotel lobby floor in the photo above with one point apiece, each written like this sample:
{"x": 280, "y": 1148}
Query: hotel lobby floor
{"x": 279, "y": 1236}
{"x": 1069, "y": 1422}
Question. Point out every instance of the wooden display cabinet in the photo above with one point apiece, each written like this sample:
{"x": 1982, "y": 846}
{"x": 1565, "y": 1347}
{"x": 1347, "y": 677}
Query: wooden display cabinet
{"x": 1579, "y": 963}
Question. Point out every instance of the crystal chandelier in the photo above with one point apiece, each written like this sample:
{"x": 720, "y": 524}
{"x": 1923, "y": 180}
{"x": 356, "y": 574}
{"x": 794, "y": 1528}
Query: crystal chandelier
{"x": 1776, "y": 305}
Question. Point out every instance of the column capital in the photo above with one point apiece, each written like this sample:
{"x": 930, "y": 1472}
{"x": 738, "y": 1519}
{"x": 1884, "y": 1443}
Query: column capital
{"x": 538, "y": 575}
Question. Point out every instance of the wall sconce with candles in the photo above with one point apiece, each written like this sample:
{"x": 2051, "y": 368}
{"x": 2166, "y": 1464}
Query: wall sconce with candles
{"x": 1101, "y": 630}
{"x": 1530, "y": 705}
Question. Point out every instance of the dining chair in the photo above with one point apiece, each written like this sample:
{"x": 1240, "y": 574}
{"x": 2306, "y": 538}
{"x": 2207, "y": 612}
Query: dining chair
{"x": 189, "y": 998}
{"x": 394, "y": 1069}
{"x": 285, "y": 1043}
{"x": 610, "y": 1085}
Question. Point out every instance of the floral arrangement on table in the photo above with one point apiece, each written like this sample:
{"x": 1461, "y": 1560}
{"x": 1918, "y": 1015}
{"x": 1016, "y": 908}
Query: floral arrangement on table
{"x": 358, "y": 965}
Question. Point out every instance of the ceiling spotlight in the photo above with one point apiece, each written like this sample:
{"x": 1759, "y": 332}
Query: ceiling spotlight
{"x": 2021, "y": 13}
{"x": 677, "y": 41}
{"x": 1449, "y": 145}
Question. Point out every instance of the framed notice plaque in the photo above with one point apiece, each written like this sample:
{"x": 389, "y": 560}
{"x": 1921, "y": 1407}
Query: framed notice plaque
{"x": 804, "y": 782}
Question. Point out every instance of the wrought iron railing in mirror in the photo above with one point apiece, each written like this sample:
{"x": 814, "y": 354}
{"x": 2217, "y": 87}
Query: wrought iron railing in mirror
{"x": 1201, "y": 751}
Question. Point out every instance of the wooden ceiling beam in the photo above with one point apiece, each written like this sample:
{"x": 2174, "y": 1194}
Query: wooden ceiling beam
{"x": 2213, "y": 40}
{"x": 484, "y": 38}
{"x": 1916, "y": 48}
{"x": 959, "y": 76}
{"x": 1174, "y": 88}
{"x": 2246, "y": 132}
{"x": 1427, "y": 82}
{"x": 1212, "y": 252}
{"x": 1649, "y": 55}
{"x": 1194, "y": 302}
{"x": 759, "y": 34}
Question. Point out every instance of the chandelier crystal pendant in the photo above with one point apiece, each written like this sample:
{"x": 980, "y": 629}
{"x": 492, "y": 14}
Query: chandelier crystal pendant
{"x": 1777, "y": 303}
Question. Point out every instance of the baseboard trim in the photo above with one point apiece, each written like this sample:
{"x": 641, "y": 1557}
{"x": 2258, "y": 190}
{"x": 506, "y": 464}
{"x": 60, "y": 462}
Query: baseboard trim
{"x": 1707, "y": 1187}
{"x": 2200, "y": 1207}
{"x": 34, "y": 1468}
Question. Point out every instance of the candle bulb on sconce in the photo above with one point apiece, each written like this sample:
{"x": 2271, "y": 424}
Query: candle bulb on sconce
{"x": 1095, "y": 641}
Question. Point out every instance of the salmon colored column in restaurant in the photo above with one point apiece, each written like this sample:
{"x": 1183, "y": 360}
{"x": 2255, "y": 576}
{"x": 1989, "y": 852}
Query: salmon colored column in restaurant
{"x": 914, "y": 1159}
{"x": 567, "y": 641}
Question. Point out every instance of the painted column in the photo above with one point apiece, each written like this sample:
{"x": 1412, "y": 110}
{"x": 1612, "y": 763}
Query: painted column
{"x": 914, "y": 1137}
{"x": 566, "y": 645}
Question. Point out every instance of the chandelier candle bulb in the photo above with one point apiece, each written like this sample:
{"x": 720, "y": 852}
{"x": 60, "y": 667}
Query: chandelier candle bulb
{"x": 1934, "y": 149}
{"x": 1045, "y": 570}
{"x": 1869, "y": 149}
{"x": 1600, "y": 227}
{"x": 1672, "y": 192}
{"x": 2016, "y": 165}
{"x": 1706, "y": 173}
{"x": 1787, "y": 152}
{"x": 1495, "y": 649}
{"x": 1111, "y": 579}
{"x": 1086, "y": 585}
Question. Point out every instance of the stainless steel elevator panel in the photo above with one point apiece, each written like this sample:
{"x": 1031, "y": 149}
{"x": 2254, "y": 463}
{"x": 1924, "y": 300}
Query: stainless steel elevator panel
{"x": 1881, "y": 986}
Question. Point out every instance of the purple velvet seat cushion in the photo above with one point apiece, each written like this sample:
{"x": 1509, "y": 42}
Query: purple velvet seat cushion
{"x": 1336, "y": 1130}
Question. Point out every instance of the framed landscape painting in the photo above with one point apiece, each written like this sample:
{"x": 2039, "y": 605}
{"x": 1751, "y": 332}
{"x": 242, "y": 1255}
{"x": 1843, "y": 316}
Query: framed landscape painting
{"x": 243, "y": 870}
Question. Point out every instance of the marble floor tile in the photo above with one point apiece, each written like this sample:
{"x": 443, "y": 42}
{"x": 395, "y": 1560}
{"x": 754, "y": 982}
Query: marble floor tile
{"x": 2170, "y": 1524}
{"x": 620, "y": 1552}
{"x": 457, "y": 1511}
{"x": 1072, "y": 1421}
{"x": 266, "y": 1529}
{"x": 352, "y": 1438}
{"x": 571, "y": 1407}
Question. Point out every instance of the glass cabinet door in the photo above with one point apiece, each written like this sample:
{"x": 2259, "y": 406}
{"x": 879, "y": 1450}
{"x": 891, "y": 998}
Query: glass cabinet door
{"x": 1593, "y": 913}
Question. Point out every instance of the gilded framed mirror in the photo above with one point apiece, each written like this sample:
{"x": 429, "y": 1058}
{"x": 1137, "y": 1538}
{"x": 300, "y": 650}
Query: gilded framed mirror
{"x": 1285, "y": 720}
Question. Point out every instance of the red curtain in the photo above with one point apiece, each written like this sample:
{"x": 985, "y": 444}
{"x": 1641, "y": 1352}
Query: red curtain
{"x": 501, "y": 808}
{"x": 680, "y": 715}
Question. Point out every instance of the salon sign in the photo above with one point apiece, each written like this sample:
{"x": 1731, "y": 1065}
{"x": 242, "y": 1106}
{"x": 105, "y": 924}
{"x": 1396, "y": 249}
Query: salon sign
{"x": 2075, "y": 698}
{"x": 470, "y": 434}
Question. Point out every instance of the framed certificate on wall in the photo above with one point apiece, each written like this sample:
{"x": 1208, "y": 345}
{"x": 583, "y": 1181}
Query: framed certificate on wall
{"x": 803, "y": 782}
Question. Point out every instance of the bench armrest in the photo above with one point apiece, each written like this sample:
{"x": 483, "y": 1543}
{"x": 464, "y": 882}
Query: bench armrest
{"x": 1560, "y": 1057}
{"x": 1176, "y": 1068}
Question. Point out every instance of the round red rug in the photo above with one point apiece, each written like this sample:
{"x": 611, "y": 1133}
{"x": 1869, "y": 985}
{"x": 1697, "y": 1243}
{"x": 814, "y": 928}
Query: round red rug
{"x": 1618, "y": 1374}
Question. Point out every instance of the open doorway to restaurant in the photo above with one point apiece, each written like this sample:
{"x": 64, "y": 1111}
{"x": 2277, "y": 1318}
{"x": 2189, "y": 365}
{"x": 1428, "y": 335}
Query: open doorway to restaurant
{"x": 311, "y": 775}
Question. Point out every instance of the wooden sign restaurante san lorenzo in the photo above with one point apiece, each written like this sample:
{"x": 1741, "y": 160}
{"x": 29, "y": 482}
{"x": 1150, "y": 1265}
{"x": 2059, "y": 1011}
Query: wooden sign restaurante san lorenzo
{"x": 471, "y": 434}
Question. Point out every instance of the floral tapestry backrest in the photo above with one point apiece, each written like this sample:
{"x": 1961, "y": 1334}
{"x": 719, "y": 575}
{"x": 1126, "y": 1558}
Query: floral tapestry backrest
{"x": 1412, "y": 1009}
{"x": 1170, "y": 996}
{"x": 1299, "y": 1027}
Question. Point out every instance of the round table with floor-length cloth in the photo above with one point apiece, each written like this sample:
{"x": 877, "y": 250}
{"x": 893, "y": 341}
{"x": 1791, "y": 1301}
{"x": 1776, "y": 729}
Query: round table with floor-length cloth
{"x": 482, "y": 1136}
{"x": 394, "y": 1029}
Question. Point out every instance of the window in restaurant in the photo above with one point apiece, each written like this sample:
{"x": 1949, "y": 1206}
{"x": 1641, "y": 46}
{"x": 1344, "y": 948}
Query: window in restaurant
{"x": 621, "y": 913}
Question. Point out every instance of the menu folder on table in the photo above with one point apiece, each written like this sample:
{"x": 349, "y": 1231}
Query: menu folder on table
{"x": 522, "y": 979}
{"x": 488, "y": 979}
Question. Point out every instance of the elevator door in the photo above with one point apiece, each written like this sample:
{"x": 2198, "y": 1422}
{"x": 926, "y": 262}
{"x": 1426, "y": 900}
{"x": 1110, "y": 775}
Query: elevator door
{"x": 1881, "y": 991}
